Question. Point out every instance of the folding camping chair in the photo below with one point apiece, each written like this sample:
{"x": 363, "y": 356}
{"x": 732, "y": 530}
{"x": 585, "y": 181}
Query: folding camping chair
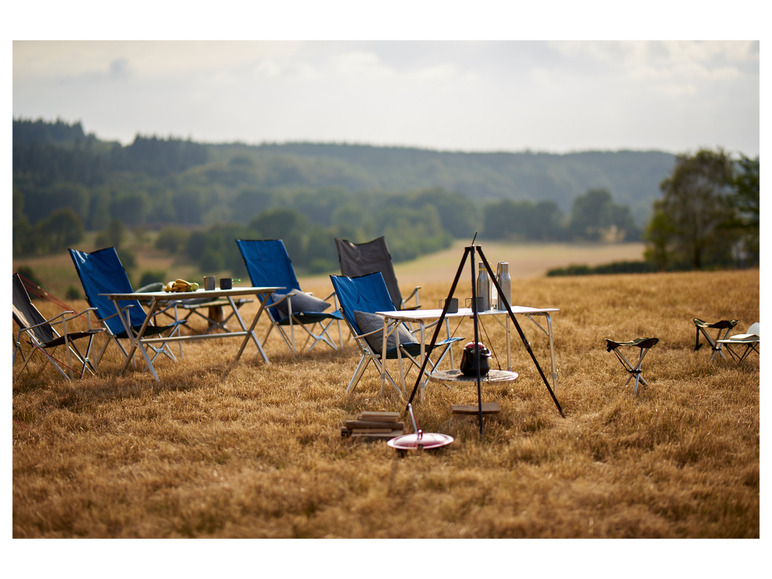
{"x": 269, "y": 265}
{"x": 360, "y": 297}
{"x": 644, "y": 345}
{"x": 101, "y": 272}
{"x": 722, "y": 327}
{"x": 42, "y": 335}
{"x": 748, "y": 342}
{"x": 371, "y": 256}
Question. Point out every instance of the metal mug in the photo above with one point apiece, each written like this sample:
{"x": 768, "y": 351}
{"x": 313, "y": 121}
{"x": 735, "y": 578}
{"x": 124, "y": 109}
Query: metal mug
{"x": 208, "y": 282}
{"x": 452, "y": 304}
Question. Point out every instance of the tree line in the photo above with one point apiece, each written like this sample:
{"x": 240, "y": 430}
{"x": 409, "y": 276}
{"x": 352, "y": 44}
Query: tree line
{"x": 154, "y": 181}
{"x": 66, "y": 182}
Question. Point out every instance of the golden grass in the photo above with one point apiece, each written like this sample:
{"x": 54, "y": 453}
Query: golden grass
{"x": 257, "y": 452}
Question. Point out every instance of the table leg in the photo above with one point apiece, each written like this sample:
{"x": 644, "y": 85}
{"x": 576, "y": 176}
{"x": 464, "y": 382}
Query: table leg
{"x": 250, "y": 331}
{"x": 552, "y": 354}
{"x": 383, "y": 355}
{"x": 509, "y": 347}
{"x": 136, "y": 341}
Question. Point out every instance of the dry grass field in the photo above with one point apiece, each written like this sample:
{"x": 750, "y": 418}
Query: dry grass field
{"x": 257, "y": 451}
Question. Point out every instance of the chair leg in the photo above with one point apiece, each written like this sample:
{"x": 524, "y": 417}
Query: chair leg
{"x": 633, "y": 370}
{"x": 50, "y": 359}
{"x": 363, "y": 363}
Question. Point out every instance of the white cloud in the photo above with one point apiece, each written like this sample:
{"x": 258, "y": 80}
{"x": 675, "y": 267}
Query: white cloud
{"x": 450, "y": 95}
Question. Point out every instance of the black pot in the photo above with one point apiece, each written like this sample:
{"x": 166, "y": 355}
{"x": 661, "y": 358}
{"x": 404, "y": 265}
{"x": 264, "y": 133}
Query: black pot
{"x": 470, "y": 357}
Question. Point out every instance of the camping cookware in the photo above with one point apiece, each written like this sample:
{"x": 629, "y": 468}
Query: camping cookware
{"x": 470, "y": 356}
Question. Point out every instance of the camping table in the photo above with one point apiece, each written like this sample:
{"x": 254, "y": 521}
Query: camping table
{"x": 421, "y": 317}
{"x": 159, "y": 299}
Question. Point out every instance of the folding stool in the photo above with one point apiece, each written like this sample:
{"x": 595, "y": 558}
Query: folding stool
{"x": 644, "y": 344}
{"x": 723, "y": 326}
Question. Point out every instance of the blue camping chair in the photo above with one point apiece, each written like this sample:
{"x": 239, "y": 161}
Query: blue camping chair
{"x": 102, "y": 272}
{"x": 269, "y": 265}
{"x": 360, "y": 297}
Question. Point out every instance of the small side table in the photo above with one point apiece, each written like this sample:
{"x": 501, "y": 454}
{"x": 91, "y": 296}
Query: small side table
{"x": 492, "y": 377}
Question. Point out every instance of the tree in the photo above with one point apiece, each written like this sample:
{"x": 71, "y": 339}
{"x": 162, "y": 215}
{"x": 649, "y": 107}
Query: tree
{"x": 523, "y": 220}
{"x": 595, "y": 217}
{"x": 112, "y": 235}
{"x": 458, "y": 214}
{"x": 689, "y": 222}
{"x": 172, "y": 239}
{"x": 61, "y": 229}
{"x": 745, "y": 203}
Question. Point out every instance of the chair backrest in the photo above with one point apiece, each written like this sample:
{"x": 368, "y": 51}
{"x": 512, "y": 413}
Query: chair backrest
{"x": 27, "y": 315}
{"x": 102, "y": 272}
{"x": 368, "y": 257}
{"x": 364, "y": 293}
{"x": 268, "y": 265}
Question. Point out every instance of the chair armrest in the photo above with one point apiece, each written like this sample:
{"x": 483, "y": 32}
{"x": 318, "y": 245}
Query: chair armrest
{"x": 87, "y": 312}
{"x": 126, "y": 307}
{"x": 50, "y": 321}
{"x": 413, "y": 294}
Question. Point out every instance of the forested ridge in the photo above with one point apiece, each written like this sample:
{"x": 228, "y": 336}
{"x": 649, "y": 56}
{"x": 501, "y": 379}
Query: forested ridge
{"x": 66, "y": 180}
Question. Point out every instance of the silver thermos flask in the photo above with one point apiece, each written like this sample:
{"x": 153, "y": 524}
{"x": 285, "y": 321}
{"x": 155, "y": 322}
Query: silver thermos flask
{"x": 505, "y": 283}
{"x": 483, "y": 288}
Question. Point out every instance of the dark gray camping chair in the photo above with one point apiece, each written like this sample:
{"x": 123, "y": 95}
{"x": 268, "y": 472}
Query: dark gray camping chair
{"x": 41, "y": 334}
{"x": 362, "y": 258}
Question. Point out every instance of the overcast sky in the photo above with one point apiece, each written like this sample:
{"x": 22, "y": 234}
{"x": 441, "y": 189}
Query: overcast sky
{"x": 553, "y": 96}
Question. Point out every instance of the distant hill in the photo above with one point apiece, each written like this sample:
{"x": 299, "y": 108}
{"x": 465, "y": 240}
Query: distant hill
{"x": 632, "y": 177}
{"x": 58, "y": 164}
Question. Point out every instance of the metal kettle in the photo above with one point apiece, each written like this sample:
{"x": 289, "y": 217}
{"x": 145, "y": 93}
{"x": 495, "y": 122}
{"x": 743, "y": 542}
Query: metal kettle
{"x": 470, "y": 356}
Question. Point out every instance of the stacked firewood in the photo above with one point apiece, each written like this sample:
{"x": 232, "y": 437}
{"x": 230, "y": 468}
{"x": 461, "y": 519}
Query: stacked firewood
{"x": 383, "y": 425}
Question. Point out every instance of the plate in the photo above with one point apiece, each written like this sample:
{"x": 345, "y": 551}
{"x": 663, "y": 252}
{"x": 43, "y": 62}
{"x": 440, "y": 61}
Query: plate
{"x": 426, "y": 440}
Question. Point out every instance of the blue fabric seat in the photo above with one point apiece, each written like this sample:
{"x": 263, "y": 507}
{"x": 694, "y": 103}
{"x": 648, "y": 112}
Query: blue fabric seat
{"x": 102, "y": 272}
{"x": 269, "y": 265}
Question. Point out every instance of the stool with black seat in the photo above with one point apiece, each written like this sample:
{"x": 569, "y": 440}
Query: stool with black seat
{"x": 644, "y": 345}
{"x": 723, "y": 327}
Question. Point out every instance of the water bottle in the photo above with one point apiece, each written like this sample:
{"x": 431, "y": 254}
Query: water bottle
{"x": 505, "y": 283}
{"x": 483, "y": 288}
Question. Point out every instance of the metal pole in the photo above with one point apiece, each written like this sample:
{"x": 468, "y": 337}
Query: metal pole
{"x": 438, "y": 326}
{"x": 508, "y": 307}
{"x": 476, "y": 340}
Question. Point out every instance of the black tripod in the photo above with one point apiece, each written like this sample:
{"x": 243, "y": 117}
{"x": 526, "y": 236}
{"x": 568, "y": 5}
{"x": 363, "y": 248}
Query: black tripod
{"x": 470, "y": 251}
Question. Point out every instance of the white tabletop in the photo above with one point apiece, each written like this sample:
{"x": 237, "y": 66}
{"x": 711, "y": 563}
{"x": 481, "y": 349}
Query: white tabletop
{"x": 420, "y": 314}
{"x": 210, "y": 294}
